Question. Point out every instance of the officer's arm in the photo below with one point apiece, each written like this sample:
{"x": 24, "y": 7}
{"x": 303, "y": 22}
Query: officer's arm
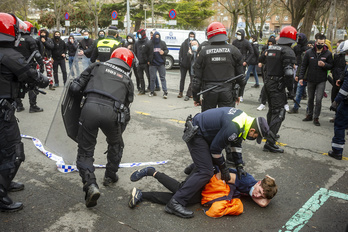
{"x": 289, "y": 59}
{"x": 343, "y": 92}
{"x": 80, "y": 83}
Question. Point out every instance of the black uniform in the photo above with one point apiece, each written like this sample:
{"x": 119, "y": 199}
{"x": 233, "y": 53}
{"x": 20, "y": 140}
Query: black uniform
{"x": 216, "y": 63}
{"x": 26, "y": 47}
{"x": 14, "y": 70}
{"x": 278, "y": 58}
{"x": 109, "y": 91}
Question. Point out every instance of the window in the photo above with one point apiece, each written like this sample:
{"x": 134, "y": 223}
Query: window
{"x": 286, "y": 18}
{"x": 277, "y": 18}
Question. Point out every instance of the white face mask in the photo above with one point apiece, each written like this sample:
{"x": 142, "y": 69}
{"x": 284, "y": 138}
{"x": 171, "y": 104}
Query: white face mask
{"x": 130, "y": 40}
{"x": 251, "y": 191}
{"x": 239, "y": 37}
{"x": 346, "y": 58}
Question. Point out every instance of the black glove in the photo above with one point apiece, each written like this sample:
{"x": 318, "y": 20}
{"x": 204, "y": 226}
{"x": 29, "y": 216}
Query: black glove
{"x": 225, "y": 173}
{"x": 333, "y": 106}
{"x": 240, "y": 171}
{"x": 42, "y": 81}
{"x": 75, "y": 86}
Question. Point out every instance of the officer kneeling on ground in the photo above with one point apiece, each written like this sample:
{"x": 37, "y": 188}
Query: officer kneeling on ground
{"x": 14, "y": 71}
{"x": 206, "y": 136}
{"x": 109, "y": 91}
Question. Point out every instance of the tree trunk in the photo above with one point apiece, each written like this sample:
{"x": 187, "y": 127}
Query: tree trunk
{"x": 137, "y": 24}
{"x": 330, "y": 34}
{"x": 309, "y": 19}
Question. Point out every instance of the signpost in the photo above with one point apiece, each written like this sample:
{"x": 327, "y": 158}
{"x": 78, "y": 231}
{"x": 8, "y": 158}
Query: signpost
{"x": 114, "y": 17}
{"x": 172, "y": 16}
{"x": 67, "y": 22}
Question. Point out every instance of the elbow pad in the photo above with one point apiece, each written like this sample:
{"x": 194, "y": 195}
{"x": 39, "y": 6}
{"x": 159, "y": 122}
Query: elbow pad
{"x": 75, "y": 87}
{"x": 288, "y": 72}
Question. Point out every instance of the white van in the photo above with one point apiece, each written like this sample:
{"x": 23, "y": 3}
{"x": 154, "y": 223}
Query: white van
{"x": 174, "y": 38}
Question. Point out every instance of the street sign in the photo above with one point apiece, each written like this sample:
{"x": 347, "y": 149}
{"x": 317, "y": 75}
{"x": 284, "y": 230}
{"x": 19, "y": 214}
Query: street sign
{"x": 66, "y": 16}
{"x": 172, "y": 14}
{"x": 114, "y": 22}
{"x": 67, "y": 23}
{"x": 172, "y": 22}
{"x": 114, "y": 15}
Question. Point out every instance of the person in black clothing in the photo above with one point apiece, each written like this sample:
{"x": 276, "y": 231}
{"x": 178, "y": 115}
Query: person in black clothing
{"x": 140, "y": 50}
{"x": 46, "y": 45}
{"x": 252, "y": 61}
{"x": 27, "y": 47}
{"x": 58, "y": 55}
{"x": 129, "y": 44}
{"x": 216, "y": 63}
{"x": 192, "y": 55}
{"x": 316, "y": 62}
{"x": 299, "y": 49}
{"x": 109, "y": 92}
{"x": 14, "y": 71}
{"x": 280, "y": 59}
{"x": 72, "y": 47}
{"x": 244, "y": 47}
{"x": 184, "y": 62}
{"x": 85, "y": 49}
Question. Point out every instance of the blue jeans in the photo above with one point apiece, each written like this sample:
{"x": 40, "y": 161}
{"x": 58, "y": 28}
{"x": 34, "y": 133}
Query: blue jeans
{"x": 85, "y": 62}
{"x": 74, "y": 62}
{"x": 162, "y": 74}
{"x": 299, "y": 92}
{"x": 253, "y": 69}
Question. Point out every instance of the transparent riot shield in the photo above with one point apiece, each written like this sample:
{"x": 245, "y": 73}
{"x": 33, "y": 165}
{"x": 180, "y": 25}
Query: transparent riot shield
{"x": 57, "y": 139}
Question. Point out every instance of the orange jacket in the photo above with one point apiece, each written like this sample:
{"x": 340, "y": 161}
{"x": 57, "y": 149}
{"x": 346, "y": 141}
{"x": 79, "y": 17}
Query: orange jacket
{"x": 219, "y": 195}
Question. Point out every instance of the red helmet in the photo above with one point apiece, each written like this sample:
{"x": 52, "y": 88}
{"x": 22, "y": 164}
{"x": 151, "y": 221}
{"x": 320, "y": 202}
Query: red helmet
{"x": 30, "y": 27}
{"x": 287, "y": 35}
{"x": 216, "y": 32}
{"x": 9, "y": 28}
{"x": 124, "y": 54}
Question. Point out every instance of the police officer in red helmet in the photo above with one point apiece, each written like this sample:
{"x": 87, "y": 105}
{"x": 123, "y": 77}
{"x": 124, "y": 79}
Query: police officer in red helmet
{"x": 109, "y": 92}
{"x": 14, "y": 71}
{"x": 280, "y": 60}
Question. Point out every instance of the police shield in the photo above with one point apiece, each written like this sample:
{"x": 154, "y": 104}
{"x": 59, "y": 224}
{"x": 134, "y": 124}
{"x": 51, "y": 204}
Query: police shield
{"x": 71, "y": 110}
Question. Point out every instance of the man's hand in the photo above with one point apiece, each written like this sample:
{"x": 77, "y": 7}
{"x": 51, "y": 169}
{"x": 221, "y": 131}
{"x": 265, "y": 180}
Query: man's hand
{"x": 161, "y": 52}
{"x": 240, "y": 171}
{"x": 225, "y": 173}
{"x": 296, "y": 78}
{"x": 260, "y": 65}
{"x": 199, "y": 103}
{"x": 338, "y": 83}
{"x": 301, "y": 82}
{"x": 63, "y": 55}
{"x": 244, "y": 63}
{"x": 333, "y": 106}
{"x": 321, "y": 63}
{"x": 43, "y": 40}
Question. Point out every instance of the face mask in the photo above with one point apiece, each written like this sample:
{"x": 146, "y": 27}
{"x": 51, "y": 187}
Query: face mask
{"x": 85, "y": 37}
{"x": 130, "y": 40}
{"x": 101, "y": 36}
{"x": 42, "y": 36}
{"x": 320, "y": 46}
{"x": 194, "y": 48}
{"x": 251, "y": 191}
{"x": 250, "y": 40}
{"x": 56, "y": 36}
{"x": 346, "y": 58}
{"x": 157, "y": 40}
{"x": 139, "y": 36}
{"x": 71, "y": 40}
{"x": 239, "y": 37}
{"x": 191, "y": 38}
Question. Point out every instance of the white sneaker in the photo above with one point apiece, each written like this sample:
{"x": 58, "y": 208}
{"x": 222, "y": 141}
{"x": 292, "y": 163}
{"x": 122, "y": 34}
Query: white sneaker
{"x": 241, "y": 99}
{"x": 287, "y": 108}
{"x": 261, "y": 107}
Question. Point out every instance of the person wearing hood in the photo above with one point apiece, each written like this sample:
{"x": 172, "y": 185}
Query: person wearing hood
{"x": 299, "y": 49}
{"x": 316, "y": 62}
{"x": 86, "y": 49}
{"x": 58, "y": 55}
{"x": 106, "y": 46}
{"x": 184, "y": 62}
{"x": 45, "y": 45}
{"x": 72, "y": 46}
{"x": 129, "y": 44}
{"x": 252, "y": 61}
{"x": 157, "y": 57}
{"x": 244, "y": 46}
{"x": 140, "y": 50}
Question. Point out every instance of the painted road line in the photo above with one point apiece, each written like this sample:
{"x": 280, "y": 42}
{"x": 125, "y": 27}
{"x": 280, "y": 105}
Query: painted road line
{"x": 343, "y": 158}
{"x": 304, "y": 214}
{"x": 142, "y": 113}
{"x": 175, "y": 120}
{"x": 277, "y": 143}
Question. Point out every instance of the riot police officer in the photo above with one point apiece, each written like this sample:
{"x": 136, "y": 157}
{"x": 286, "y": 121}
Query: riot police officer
{"x": 109, "y": 91}
{"x": 340, "y": 105}
{"x": 280, "y": 60}
{"x": 29, "y": 49}
{"x": 105, "y": 47}
{"x": 216, "y": 63}
{"x": 14, "y": 70}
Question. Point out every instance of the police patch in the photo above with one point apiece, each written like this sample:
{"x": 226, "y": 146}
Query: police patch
{"x": 218, "y": 59}
{"x": 232, "y": 137}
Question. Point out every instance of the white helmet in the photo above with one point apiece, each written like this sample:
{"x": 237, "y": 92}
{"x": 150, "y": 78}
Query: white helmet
{"x": 343, "y": 47}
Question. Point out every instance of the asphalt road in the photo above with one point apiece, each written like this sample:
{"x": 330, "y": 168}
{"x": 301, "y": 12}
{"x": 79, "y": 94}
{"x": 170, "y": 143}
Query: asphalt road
{"x": 312, "y": 196}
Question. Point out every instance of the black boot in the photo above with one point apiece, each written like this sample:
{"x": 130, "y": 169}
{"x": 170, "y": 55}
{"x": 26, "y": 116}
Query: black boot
{"x": 335, "y": 155}
{"x": 15, "y": 186}
{"x": 272, "y": 148}
{"x": 174, "y": 207}
{"x": 92, "y": 195}
{"x": 34, "y": 109}
{"x": 6, "y": 203}
{"x": 108, "y": 180}
{"x": 189, "y": 169}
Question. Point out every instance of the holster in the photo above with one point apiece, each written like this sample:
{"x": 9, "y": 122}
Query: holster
{"x": 7, "y": 109}
{"x": 190, "y": 130}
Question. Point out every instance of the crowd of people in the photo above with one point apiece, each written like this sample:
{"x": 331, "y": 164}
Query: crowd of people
{"x": 105, "y": 81}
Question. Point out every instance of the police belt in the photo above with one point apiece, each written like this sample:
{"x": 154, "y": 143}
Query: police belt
{"x": 103, "y": 100}
{"x": 275, "y": 78}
